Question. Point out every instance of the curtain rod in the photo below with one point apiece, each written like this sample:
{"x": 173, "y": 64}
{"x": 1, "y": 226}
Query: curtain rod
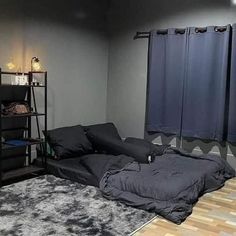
{"x": 146, "y": 34}
{"x": 141, "y": 35}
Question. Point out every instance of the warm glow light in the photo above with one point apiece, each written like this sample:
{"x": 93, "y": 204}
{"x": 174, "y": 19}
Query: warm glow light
{"x": 36, "y": 66}
{"x": 10, "y": 66}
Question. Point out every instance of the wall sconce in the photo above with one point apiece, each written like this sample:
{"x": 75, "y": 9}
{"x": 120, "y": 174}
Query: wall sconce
{"x": 35, "y": 64}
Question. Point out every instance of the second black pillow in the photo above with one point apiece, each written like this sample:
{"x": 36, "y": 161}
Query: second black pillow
{"x": 156, "y": 149}
{"x": 69, "y": 142}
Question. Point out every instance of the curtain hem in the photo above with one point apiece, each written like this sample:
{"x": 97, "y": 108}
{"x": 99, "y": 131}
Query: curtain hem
{"x": 231, "y": 138}
{"x": 202, "y": 135}
{"x": 160, "y": 129}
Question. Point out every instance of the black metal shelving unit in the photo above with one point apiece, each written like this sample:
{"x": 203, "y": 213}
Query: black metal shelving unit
{"x": 28, "y": 167}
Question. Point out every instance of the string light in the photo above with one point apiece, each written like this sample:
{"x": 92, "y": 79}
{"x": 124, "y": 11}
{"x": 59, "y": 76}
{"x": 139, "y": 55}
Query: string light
{"x": 10, "y": 65}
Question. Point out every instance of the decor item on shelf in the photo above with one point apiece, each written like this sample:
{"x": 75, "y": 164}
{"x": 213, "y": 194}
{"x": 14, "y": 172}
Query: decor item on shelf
{"x": 17, "y": 142}
{"x": 20, "y": 80}
{"x": 35, "y": 83}
{"x": 35, "y": 64}
{"x": 16, "y": 108}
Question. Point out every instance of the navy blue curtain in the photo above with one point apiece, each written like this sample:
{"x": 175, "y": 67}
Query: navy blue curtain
{"x": 232, "y": 88}
{"x": 166, "y": 66}
{"x": 205, "y": 83}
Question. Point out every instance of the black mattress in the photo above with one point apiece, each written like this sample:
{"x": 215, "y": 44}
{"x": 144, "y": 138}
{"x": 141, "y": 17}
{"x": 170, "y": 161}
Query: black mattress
{"x": 71, "y": 169}
{"x": 87, "y": 169}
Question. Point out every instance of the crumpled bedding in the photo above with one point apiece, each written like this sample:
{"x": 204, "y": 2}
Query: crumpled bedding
{"x": 169, "y": 186}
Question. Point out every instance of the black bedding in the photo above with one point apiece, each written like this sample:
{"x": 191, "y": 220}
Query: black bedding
{"x": 99, "y": 164}
{"x": 170, "y": 185}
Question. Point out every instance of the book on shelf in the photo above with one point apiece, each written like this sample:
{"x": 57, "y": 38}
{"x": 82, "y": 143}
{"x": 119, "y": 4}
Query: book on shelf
{"x": 17, "y": 142}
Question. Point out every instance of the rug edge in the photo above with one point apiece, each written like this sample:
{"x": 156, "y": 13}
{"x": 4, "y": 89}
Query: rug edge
{"x": 142, "y": 226}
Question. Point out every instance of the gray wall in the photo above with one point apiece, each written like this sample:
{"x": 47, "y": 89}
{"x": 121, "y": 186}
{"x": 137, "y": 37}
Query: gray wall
{"x": 126, "y": 98}
{"x": 70, "y": 39}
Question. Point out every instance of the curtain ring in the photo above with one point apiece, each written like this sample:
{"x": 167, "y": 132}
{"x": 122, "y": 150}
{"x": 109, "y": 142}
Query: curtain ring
{"x": 200, "y": 30}
{"x": 179, "y": 31}
{"x": 164, "y": 31}
{"x": 220, "y": 29}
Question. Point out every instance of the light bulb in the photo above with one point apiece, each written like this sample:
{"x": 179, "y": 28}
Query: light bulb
{"x": 36, "y": 66}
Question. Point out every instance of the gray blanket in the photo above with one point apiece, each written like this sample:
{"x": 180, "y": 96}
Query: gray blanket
{"x": 170, "y": 185}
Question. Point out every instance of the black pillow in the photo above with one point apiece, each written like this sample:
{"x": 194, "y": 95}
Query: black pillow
{"x": 112, "y": 146}
{"x": 141, "y": 154}
{"x": 107, "y": 130}
{"x": 156, "y": 149}
{"x": 69, "y": 142}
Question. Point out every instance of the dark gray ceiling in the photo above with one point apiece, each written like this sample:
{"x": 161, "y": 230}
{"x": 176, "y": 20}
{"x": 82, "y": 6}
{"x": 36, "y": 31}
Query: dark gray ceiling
{"x": 93, "y": 12}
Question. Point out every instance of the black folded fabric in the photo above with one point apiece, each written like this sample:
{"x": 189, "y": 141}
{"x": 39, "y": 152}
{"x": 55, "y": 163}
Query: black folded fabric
{"x": 155, "y": 149}
{"x": 141, "y": 154}
{"x": 106, "y": 139}
{"x": 99, "y": 164}
{"x": 108, "y": 145}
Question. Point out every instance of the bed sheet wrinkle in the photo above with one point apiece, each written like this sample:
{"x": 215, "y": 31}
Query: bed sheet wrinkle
{"x": 170, "y": 185}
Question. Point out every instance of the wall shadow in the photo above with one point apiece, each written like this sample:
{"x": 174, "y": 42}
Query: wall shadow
{"x": 72, "y": 13}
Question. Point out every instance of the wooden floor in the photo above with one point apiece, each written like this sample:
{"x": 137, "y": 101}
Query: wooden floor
{"x": 214, "y": 214}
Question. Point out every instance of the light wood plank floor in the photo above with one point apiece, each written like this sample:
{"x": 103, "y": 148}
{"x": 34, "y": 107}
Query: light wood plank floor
{"x": 214, "y": 214}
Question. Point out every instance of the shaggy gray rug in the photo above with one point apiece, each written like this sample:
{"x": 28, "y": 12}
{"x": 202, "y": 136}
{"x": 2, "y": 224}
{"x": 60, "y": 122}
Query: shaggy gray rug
{"x": 48, "y": 205}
